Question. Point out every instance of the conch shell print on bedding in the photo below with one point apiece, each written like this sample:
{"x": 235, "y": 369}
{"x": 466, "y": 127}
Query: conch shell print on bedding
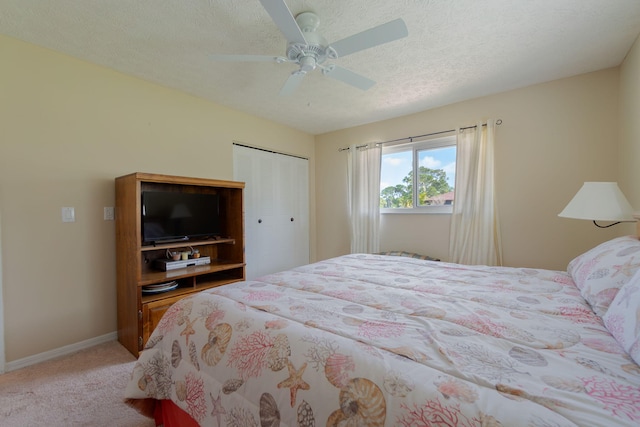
{"x": 361, "y": 404}
{"x": 216, "y": 346}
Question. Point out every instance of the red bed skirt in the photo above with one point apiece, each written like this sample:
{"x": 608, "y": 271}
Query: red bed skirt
{"x": 164, "y": 412}
{"x": 168, "y": 414}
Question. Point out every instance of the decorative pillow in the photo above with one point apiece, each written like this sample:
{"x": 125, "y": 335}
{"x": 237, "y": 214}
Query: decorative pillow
{"x": 408, "y": 254}
{"x": 623, "y": 317}
{"x": 600, "y": 272}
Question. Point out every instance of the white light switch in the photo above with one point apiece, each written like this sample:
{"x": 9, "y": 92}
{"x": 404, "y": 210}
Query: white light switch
{"x": 68, "y": 214}
{"x": 108, "y": 213}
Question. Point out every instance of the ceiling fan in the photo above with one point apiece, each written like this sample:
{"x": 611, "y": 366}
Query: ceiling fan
{"x": 309, "y": 50}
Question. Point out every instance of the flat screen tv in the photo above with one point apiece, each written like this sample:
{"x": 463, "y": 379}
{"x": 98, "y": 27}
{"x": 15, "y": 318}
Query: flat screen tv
{"x": 173, "y": 216}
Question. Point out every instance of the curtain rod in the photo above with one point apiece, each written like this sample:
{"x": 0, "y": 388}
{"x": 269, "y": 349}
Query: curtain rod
{"x": 410, "y": 138}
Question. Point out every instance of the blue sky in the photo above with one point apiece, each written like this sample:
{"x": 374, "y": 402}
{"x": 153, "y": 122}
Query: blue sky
{"x": 396, "y": 166}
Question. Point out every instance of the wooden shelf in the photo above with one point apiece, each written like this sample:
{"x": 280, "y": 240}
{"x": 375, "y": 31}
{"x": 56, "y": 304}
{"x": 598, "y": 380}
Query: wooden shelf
{"x": 188, "y": 243}
{"x": 181, "y": 273}
{"x": 186, "y": 290}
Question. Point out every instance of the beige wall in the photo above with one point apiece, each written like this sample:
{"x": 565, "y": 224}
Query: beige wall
{"x": 630, "y": 126}
{"x": 68, "y": 129}
{"x": 554, "y": 137}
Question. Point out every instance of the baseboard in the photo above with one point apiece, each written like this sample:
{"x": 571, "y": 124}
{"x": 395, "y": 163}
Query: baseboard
{"x": 62, "y": 351}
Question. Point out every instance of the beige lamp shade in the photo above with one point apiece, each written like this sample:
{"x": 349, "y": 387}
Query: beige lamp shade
{"x": 599, "y": 201}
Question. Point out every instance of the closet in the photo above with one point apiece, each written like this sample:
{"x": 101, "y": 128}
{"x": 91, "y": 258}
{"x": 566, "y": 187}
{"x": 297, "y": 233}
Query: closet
{"x": 276, "y": 200}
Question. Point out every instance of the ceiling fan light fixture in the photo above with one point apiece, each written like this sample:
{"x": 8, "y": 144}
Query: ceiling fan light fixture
{"x": 307, "y": 22}
{"x": 307, "y": 63}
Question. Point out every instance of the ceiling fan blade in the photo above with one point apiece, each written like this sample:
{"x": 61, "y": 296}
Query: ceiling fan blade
{"x": 348, "y": 77}
{"x": 292, "y": 83}
{"x": 282, "y": 17}
{"x": 375, "y": 36}
{"x": 244, "y": 58}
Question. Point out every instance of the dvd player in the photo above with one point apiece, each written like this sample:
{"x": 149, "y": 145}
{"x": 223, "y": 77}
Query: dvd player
{"x": 168, "y": 264}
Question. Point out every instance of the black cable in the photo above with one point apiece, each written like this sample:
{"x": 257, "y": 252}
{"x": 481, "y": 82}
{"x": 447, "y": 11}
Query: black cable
{"x": 606, "y": 226}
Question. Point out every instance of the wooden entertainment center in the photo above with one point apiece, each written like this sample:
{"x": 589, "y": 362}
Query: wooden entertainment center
{"x": 140, "y": 310}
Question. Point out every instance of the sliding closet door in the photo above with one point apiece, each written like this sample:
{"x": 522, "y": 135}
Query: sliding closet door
{"x": 276, "y": 209}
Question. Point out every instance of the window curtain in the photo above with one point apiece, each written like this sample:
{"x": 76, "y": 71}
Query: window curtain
{"x": 475, "y": 232}
{"x": 363, "y": 172}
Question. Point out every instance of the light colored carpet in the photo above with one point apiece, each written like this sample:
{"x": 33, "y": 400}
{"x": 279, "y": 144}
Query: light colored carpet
{"x": 82, "y": 389}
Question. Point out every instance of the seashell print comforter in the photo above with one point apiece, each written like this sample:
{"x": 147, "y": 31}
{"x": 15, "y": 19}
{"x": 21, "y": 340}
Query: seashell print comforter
{"x": 373, "y": 340}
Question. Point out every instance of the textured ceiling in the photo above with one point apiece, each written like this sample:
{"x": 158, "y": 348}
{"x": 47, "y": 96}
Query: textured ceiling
{"x": 456, "y": 49}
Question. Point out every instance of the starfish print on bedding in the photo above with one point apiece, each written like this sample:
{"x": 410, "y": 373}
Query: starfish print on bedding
{"x": 626, "y": 294}
{"x": 188, "y": 329}
{"x": 217, "y": 408}
{"x": 295, "y": 381}
{"x": 628, "y": 268}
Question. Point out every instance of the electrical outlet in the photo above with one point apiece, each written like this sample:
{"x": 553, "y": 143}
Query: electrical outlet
{"x": 68, "y": 214}
{"x": 109, "y": 213}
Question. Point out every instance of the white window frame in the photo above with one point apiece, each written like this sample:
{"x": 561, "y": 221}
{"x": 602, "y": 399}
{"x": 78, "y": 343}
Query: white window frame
{"x": 415, "y": 146}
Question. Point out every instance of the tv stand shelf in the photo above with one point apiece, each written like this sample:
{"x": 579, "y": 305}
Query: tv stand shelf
{"x": 187, "y": 243}
{"x": 194, "y": 286}
{"x": 138, "y": 312}
{"x": 158, "y": 276}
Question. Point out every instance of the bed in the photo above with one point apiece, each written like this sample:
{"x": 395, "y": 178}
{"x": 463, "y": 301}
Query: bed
{"x": 377, "y": 340}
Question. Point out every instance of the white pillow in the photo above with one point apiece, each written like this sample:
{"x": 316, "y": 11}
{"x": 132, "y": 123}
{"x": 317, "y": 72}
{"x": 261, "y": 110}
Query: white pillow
{"x": 623, "y": 317}
{"x": 600, "y": 272}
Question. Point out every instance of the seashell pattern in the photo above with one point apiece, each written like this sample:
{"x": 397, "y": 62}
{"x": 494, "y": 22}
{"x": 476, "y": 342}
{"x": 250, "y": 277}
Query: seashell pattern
{"x": 305, "y": 415}
{"x": 230, "y": 386}
{"x": 181, "y": 390}
{"x": 338, "y": 368}
{"x": 362, "y": 403}
{"x": 216, "y": 344}
{"x": 176, "y": 353}
{"x": 397, "y": 384}
{"x": 193, "y": 355}
{"x": 269, "y": 413}
{"x": 340, "y": 347}
{"x": 153, "y": 341}
{"x": 452, "y": 388}
{"x": 433, "y": 312}
{"x": 279, "y": 353}
{"x": 566, "y": 384}
{"x": 528, "y": 356}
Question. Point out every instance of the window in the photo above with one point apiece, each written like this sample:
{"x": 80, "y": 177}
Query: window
{"x": 433, "y": 162}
